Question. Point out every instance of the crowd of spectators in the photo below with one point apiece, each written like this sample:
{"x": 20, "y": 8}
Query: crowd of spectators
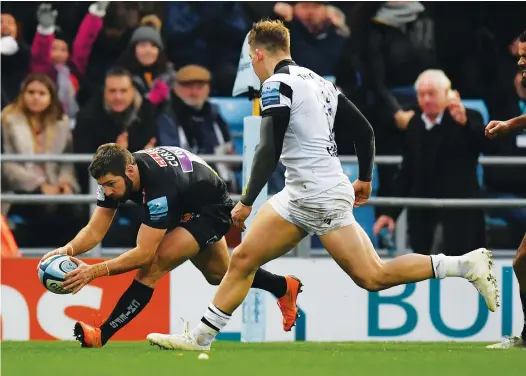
{"x": 75, "y": 75}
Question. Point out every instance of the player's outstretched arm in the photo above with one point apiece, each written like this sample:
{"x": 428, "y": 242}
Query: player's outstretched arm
{"x": 496, "y": 128}
{"x": 90, "y": 235}
{"x": 273, "y": 127}
{"x": 148, "y": 240}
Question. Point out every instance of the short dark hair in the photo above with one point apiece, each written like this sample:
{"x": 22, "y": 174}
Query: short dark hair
{"x": 110, "y": 159}
{"x": 271, "y": 35}
{"x": 522, "y": 37}
{"x": 119, "y": 72}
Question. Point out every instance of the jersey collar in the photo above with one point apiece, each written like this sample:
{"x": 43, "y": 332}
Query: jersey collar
{"x": 283, "y": 63}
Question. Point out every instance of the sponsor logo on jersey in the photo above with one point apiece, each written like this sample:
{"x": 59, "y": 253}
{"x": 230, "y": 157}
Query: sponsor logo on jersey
{"x": 100, "y": 193}
{"x": 270, "y": 94}
{"x": 156, "y": 157}
{"x": 184, "y": 160}
{"x": 158, "y": 208}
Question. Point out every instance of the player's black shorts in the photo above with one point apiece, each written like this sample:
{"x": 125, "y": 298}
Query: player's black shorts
{"x": 209, "y": 224}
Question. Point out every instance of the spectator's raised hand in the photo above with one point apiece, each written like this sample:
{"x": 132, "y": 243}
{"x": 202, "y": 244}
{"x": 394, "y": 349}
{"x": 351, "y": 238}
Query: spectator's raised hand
{"x": 159, "y": 92}
{"x": 65, "y": 188}
{"x": 46, "y": 15}
{"x": 102, "y": 5}
{"x": 151, "y": 143}
{"x": 122, "y": 140}
{"x": 99, "y": 8}
{"x": 49, "y": 189}
{"x": 402, "y": 118}
{"x": 284, "y": 10}
{"x": 456, "y": 108}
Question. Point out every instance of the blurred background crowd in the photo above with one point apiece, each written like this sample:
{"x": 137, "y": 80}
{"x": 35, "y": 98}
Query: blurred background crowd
{"x": 427, "y": 75}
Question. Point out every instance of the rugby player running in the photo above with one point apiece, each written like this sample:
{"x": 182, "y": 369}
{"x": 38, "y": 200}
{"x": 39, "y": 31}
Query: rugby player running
{"x": 494, "y": 129}
{"x": 299, "y": 109}
{"x": 187, "y": 213}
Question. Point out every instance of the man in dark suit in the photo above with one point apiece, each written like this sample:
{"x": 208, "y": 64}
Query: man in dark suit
{"x": 440, "y": 157}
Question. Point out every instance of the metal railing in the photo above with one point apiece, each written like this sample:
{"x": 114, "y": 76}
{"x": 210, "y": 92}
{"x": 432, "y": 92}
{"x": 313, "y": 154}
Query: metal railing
{"x": 212, "y": 158}
{"x": 373, "y": 201}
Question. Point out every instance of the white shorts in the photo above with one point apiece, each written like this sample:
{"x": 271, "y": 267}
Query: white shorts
{"x": 327, "y": 211}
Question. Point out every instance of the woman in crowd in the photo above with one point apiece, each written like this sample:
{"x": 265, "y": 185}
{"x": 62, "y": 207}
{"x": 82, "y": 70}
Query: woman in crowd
{"x": 145, "y": 58}
{"x": 36, "y": 124}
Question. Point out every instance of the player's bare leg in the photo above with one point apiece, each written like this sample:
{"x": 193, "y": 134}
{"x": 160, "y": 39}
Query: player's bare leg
{"x": 213, "y": 263}
{"x": 519, "y": 267}
{"x": 246, "y": 259}
{"x": 176, "y": 247}
{"x": 353, "y": 251}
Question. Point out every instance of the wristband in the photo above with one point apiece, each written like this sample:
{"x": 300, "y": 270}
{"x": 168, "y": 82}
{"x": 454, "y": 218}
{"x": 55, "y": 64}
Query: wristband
{"x": 67, "y": 247}
{"x": 101, "y": 270}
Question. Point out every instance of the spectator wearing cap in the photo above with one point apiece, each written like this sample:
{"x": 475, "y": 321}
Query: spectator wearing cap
{"x": 15, "y": 58}
{"x": 189, "y": 120}
{"x": 145, "y": 58}
{"x": 50, "y": 52}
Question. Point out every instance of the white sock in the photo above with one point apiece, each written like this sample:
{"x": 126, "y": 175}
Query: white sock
{"x": 211, "y": 323}
{"x": 449, "y": 266}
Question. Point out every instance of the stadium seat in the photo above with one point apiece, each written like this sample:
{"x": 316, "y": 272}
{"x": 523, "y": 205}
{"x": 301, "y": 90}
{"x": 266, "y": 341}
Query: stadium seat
{"x": 233, "y": 110}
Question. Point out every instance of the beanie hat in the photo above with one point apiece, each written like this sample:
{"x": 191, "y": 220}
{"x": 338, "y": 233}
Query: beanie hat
{"x": 147, "y": 34}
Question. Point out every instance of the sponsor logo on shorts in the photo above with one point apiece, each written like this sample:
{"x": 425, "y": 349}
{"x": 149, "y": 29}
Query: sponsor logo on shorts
{"x": 212, "y": 240}
{"x": 187, "y": 217}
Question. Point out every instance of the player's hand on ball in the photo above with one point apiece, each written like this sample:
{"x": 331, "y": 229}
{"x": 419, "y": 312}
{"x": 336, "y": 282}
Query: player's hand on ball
{"x": 239, "y": 215}
{"x": 78, "y": 278}
{"x": 58, "y": 251}
{"x": 496, "y": 128}
{"x": 362, "y": 192}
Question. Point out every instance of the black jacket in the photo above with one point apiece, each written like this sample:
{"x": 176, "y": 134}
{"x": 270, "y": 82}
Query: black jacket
{"x": 442, "y": 163}
{"x": 96, "y": 126}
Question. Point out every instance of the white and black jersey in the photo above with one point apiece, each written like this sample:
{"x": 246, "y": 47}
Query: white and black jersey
{"x": 299, "y": 111}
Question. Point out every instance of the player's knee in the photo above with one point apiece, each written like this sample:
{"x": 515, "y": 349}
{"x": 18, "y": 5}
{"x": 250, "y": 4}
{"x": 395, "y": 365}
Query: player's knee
{"x": 215, "y": 277}
{"x": 243, "y": 261}
{"x": 373, "y": 280}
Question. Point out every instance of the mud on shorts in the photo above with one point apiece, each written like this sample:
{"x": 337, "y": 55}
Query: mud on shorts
{"x": 207, "y": 225}
{"x": 319, "y": 214}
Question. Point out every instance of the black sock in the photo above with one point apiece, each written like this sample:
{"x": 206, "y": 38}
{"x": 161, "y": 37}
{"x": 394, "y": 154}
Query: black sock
{"x": 523, "y": 300}
{"x": 275, "y": 284}
{"x": 129, "y": 305}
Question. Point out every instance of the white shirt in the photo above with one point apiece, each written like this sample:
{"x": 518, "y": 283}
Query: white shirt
{"x": 309, "y": 151}
{"x": 430, "y": 123}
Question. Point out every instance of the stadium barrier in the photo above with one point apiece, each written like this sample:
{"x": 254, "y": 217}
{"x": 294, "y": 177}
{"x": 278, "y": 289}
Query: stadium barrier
{"x": 448, "y": 310}
{"x": 305, "y": 247}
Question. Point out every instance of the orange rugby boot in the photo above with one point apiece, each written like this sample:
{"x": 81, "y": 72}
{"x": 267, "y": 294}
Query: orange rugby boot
{"x": 287, "y": 303}
{"x": 88, "y": 337}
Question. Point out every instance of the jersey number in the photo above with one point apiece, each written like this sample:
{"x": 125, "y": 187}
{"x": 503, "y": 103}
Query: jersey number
{"x": 325, "y": 100}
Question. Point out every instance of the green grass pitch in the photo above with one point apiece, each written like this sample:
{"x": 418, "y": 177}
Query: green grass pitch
{"x": 268, "y": 359}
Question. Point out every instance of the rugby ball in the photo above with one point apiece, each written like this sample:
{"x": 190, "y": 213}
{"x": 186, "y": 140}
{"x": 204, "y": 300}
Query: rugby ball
{"x": 52, "y": 271}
